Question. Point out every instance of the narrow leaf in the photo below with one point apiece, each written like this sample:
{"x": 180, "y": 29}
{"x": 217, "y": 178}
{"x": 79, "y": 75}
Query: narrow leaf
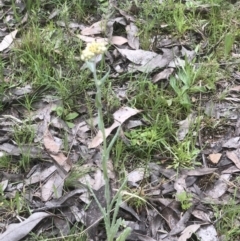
{"x": 17, "y": 231}
{"x": 71, "y": 116}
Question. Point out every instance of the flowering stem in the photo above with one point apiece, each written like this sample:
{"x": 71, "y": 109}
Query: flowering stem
{"x": 105, "y": 153}
{"x": 112, "y": 226}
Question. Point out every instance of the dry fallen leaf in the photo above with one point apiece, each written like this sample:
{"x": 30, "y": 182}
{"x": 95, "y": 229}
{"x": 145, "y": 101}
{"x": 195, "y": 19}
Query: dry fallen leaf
{"x": 79, "y": 214}
{"x": 4, "y": 184}
{"x": 87, "y": 180}
{"x": 184, "y": 126}
{"x": 234, "y": 158}
{"x": 147, "y": 61}
{"x": 32, "y": 150}
{"x": 54, "y": 13}
{"x": 180, "y": 184}
{"x": 53, "y": 150}
{"x": 220, "y": 186}
{"x": 190, "y": 54}
{"x": 96, "y": 28}
{"x": 120, "y": 116}
{"x": 118, "y": 40}
{"x": 17, "y": 93}
{"x": 230, "y": 170}
{"x": 232, "y": 143}
{"x": 88, "y": 39}
{"x": 188, "y": 231}
{"x": 53, "y": 187}
{"x": 94, "y": 214}
{"x": 58, "y": 202}
{"x": 202, "y": 215}
{"x": 142, "y": 237}
{"x": 128, "y": 17}
{"x": 136, "y": 175}
{"x": 62, "y": 224}
{"x": 7, "y": 40}
{"x": 170, "y": 216}
{"x": 40, "y": 176}
{"x": 49, "y": 143}
{"x": 110, "y": 25}
{"x": 129, "y": 209}
{"x": 235, "y": 89}
{"x": 132, "y": 36}
{"x": 207, "y": 232}
{"x": 139, "y": 57}
{"x": 234, "y": 99}
{"x": 215, "y": 157}
{"x": 17, "y": 231}
{"x": 181, "y": 225}
{"x": 200, "y": 171}
{"x": 133, "y": 123}
{"x": 162, "y": 75}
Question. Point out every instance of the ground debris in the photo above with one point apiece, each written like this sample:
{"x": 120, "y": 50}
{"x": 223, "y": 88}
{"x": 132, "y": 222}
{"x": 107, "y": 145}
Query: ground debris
{"x": 172, "y": 96}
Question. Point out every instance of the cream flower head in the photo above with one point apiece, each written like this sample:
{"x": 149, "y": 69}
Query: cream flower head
{"x": 92, "y": 50}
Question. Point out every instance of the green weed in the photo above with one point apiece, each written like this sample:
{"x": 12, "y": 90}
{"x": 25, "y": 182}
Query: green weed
{"x": 184, "y": 155}
{"x": 66, "y": 115}
{"x": 227, "y": 219}
{"x": 185, "y": 199}
{"x": 228, "y": 43}
{"x": 24, "y": 133}
{"x": 135, "y": 199}
{"x": 180, "y": 19}
{"x": 77, "y": 172}
{"x": 185, "y": 83}
{"x": 9, "y": 165}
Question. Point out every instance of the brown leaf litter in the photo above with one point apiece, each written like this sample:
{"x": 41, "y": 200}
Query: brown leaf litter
{"x": 159, "y": 215}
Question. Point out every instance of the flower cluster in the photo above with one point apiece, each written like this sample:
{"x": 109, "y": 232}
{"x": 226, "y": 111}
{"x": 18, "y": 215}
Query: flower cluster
{"x": 92, "y": 50}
